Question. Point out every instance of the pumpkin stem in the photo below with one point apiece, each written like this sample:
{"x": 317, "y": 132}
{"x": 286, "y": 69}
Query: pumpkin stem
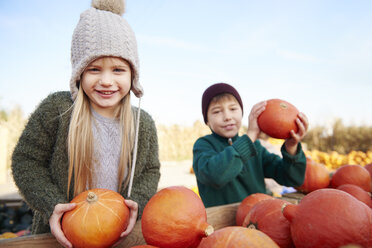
{"x": 91, "y": 197}
{"x": 209, "y": 230}
{"x": 289, "y": 211}
{"x": 205, "y": 229}
{"x": 283, "y": 105}
{"x": 251, "y": 226}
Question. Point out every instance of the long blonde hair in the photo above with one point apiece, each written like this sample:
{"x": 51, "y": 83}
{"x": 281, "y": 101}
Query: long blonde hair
{"x": 80, "y": 144}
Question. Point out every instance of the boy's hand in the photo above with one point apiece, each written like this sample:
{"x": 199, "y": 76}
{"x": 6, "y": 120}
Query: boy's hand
{"x": 292, "y": 142}
{"x": 253, "y": 128}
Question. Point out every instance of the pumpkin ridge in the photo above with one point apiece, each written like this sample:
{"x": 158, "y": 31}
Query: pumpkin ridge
{"x": 77, "y": 209}
{"x": 112, "y": 200}
{"x": 80, "y": 202}
{"x": 255, "y": 223}
{"x": 109, "y": 209}
{"x": 98, "y": 223}
{"x": 270, "y": 213}
{"x": 86, "y": 214}
{"x": 231, "y": 236}
{"x": 105, "y": 193}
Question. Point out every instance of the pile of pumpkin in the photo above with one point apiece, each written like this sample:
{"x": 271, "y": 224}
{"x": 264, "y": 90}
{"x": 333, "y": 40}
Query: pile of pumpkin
{"x": 174, "y": 217}
{"x": 335, "y": 212}
{"x": 335, "y": 160}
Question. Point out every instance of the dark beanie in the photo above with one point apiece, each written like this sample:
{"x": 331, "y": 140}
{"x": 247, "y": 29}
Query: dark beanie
{"x": 214, "y": 90}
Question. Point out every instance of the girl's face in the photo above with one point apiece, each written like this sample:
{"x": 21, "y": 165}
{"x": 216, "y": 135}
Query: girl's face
{"x": 225, "y": 116}
{"x": 106, "y": 81}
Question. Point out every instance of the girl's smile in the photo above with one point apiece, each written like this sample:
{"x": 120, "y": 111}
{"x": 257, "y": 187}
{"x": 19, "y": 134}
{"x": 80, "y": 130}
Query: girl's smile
{"x": 105, "y": 94}
{"x": 106, "y": 81}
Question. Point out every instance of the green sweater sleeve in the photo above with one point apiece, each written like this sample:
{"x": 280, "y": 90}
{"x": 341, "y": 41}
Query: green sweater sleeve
{"x": 147, "y": 172}
{"x": 289, "y": 170}
{"x": 31, "y": 160}
{"x": 217, "y": 168}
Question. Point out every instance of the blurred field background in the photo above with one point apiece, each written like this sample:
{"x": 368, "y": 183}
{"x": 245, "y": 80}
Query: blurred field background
{"x": 334, "y": 146}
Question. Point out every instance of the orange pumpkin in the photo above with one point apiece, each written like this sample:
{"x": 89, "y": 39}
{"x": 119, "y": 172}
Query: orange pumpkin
{"x": 247, "y": 204}
{"x": 267, "y": 217}
{"x": 98, "y": 219}
{"x": 237, "y": 237}
{"x": 316, "y": 177}
{"x": 357, "y": 192}
{"x": 352, "y": 174}
{"x": 329, "y": 218}
{"x": 278, "y": 119}
{"x": 175, "y": 217}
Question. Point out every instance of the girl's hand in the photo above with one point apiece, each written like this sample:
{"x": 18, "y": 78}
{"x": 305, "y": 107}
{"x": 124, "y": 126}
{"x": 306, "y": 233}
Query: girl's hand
{"x": 133, "y": 208}
{"x": 253, "y": 128}
{"x": 292, "y": 142}
{"x": 55, "y": 223}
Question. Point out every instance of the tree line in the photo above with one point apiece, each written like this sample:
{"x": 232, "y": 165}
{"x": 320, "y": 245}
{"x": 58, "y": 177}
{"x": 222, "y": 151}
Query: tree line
{"x": 176, "y": 141}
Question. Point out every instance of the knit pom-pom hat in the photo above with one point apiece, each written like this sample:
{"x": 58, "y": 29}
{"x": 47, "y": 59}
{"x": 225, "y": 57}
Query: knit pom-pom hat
{"x": 102, "y": 31}
{"x": 214, "y": 90}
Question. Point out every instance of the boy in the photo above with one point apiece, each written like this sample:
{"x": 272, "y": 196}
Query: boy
{"x": 229, "y": 167}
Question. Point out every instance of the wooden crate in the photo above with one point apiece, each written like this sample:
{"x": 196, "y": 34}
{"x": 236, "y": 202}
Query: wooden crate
{"x": 218, "y": 217}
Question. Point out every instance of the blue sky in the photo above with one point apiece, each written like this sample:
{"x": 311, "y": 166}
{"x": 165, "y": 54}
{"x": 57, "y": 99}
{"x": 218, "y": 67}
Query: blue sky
{"x": 315, "y": 54}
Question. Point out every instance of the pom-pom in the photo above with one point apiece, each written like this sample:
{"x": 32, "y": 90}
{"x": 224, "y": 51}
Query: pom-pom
{"x": 114, "y": 6}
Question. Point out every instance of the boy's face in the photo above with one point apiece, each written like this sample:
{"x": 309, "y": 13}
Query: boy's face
{"x": 225, "y": 116}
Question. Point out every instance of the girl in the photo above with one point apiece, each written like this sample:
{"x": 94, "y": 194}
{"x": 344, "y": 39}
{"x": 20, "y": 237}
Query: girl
{"x": 90, "y": 137}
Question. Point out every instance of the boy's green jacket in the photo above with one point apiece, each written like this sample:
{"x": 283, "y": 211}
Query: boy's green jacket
{"x": 229, "y": 173}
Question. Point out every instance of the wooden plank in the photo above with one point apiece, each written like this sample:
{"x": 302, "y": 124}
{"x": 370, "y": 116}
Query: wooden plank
{"x": 11, "y": 199}
{"x": 222, "y": 216}
{"x": 289, "y": 199}
{"x": 40, "y": 240}
{"x": 47, "y": 240}
{"x": 295, "y": 195}
{"x": 218, "y": 217}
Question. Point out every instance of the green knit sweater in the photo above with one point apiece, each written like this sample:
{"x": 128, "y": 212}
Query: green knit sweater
{"x": 229, "y": 173}
{"x": 40, "y": 160}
